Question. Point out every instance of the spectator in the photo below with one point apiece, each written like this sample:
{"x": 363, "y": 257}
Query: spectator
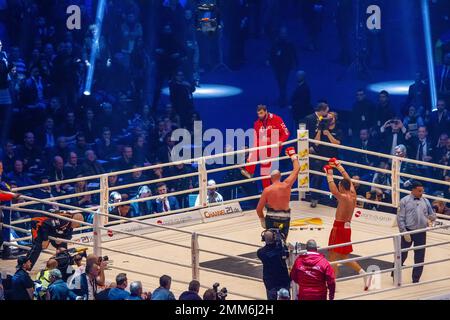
{"x": 58, "y": 289}
{"x": 181, "y": 98}
{"x": 119, "y": 292}
{"x": 421, "y": 149}
{"x": 440, "y": 208}
{"x": 126, "y": 162}
{"x": 413, "y": 121}
{"x": 81, "y": 187}
{"x": 419, "y": 95}
{"x": 19, "y": 175}
{"x": 44, "y": 279}
{"x": 9, "y": 156}
{"x": 384, "y": 110}
{"x": 439, "y": 120}
{"x": 142, "y": 208}
{"x": 165, "y": 203}
{"x": 314, "y": 275}
{"x": 163, "y": 292}
{"x": 392, "y": 134}
{"x": 89, "y": 126}
{"x": 88, "y": 281}
{"x": 29, "y": 152}
{"x": 136, "y": 292}
{"x": 105, "y": 147}
{"x": 141, "y": 155}
{"x": 365, "y": 143}
{"x": 363, "y": 113}
{"x": 81, "y": 146}
{"x": 212, "y": 195}
{"x": 322, "y": 126}
{"x": 22, "y": 287}
{"x": 192, "y": 293}
{"x": 46, "y": 136}
{"x": 91, "y": 166}
{"x": 61, "y": 149}
{"x": 301, "y": 99}
{"x": 69, "y": 127}
{"x": 73, "y": 169}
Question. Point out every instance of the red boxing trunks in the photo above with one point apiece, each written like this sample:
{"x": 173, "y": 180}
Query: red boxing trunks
{"x": 341, "y": 233}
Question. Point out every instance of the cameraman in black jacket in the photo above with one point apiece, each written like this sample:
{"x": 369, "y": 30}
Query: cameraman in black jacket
{"x": 273, "y": 257}
{"x": 321, "y": 126}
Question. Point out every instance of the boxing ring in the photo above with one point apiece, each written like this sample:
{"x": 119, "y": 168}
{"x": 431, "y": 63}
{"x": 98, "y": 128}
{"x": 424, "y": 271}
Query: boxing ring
{"x": 217, "y": 243}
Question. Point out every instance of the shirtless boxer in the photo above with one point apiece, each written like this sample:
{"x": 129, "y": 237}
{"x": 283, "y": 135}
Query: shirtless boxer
{"x": 276, "y": 198}
{"x": 341, "y": 232}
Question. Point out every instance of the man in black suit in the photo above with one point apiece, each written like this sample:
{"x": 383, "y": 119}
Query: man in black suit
{"x": 363, "y": 112}
{"x": 420, "y": 148}
{"x": 315, "y": 126}
{"x": 301, "y": 99}
{"x": 392, "y": 134}
{"x": 365, "y": 143}
{"x": 439, "y": 120}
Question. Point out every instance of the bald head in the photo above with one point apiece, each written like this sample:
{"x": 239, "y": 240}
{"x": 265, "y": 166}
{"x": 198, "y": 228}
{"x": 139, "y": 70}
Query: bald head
{"x": 275, "y": 176}
{"x": 78, "y": 217}
{"x": 268, "y": 237}
{"x": 311, "y": 245}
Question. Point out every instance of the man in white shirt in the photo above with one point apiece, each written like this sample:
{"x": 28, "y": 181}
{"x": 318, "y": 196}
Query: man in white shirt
{"x": 213, "y": 196}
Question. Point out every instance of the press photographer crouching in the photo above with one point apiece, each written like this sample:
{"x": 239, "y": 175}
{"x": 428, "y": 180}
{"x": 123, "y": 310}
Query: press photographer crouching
{"x": 322, "y": 126}
{"x": 273, "y": 257}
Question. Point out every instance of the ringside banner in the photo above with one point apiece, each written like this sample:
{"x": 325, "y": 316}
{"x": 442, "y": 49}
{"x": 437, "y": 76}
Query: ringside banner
{"x": 180, "y": 220}
{"x": 375, "y": 217}
{"x": 221, "y": 212}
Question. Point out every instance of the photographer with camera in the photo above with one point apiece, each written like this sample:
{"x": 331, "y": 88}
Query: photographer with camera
{"x": 74, "y": 281}
{"x": 67, "y": 258}
{"x": 322, "y": 127}
{"x": 273, "y": 257}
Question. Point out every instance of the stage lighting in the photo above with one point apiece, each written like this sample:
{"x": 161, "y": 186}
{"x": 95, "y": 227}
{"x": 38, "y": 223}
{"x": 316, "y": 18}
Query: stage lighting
{"x": 399, "y": 88}
{"x": 87, "y": 93}
{"x": 210, "y": 91}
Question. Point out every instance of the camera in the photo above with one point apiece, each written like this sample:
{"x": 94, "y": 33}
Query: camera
{"x": 324, "y": 124}
{"x": 208, "y": 18}
{"x": 279, "y": 240}
{"x": 220, "y": 294}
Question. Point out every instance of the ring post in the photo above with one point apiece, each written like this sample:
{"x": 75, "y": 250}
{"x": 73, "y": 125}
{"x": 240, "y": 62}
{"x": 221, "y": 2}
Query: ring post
{"x": 396, "y": 182}
{"x": 303, "y": 158}
{"x": 397, "y": 261}
{"x": 195, "y": 257}
{"x": 202, "y": 182}
{"x": 101, "y": 220}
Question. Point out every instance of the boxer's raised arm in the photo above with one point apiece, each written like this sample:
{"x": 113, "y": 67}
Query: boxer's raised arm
{"x": 290, "y": 152}
{"x": 331, "y": 184}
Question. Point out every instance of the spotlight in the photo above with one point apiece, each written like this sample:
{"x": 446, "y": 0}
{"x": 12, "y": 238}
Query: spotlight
{"x": 87, "y": 93}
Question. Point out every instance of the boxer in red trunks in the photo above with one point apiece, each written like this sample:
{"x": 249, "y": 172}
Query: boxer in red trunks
{"x": 341, "y": 233}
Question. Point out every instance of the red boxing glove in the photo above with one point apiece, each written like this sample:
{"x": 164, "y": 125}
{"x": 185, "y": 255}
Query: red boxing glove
{"x": 333, "y": 162}
{"x": 328, "y": 169}
{"x": 290, "y": 152}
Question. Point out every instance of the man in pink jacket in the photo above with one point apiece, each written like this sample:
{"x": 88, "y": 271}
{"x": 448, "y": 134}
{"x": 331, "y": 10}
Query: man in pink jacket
{"x": 314, "y": 275}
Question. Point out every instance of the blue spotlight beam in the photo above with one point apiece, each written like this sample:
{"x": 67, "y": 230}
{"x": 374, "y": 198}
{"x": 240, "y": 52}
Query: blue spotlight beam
{"x": 95, "y": 45}
{"x": 429, "y": 50}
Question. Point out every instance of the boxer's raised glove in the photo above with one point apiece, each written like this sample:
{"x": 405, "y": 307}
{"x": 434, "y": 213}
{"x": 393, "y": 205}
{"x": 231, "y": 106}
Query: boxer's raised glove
{"x": 263, "y": 222}
{"x": 329, "y": 171}
{"x": 335, "y": 163}
{"x": 290, "y": 152}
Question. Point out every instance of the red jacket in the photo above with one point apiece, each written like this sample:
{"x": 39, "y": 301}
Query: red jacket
{"x": 264, "y": 128}
{"x": 314, "y": 275}
{"x": 6, "y": 197}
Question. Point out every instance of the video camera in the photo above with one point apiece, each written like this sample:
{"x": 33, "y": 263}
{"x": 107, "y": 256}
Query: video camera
{"x": 279, "y": 240}
{"x": 220, "y": 294}
{"x": 208, "y": 17}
